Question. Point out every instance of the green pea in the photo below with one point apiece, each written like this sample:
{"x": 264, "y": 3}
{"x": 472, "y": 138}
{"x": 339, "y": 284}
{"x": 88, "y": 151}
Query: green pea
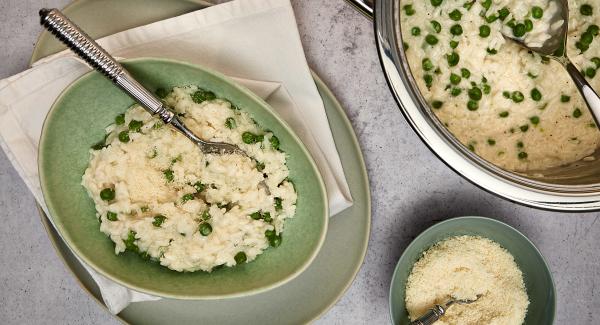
{"x": 593, "y": 29}
{"x": 486, "y": 4}
{"x": 187, "y": 197}
{"x": 453, "y": 44}
{"x": 408, "y": 9}
{"x": 135, "y": 126}
{"x": 471, "y": 147}
{"x": 111, "y": 216}
{"x": 472, "y": 105}
{"x": 519, "y": 30}
{"x": 484, "y": 31}
{"x": 267, "y": 217}
{"x": 586, "y": 10}
{"x": 130, "y": 242}
{"x": 536, "y": 95}
{"x": 124, "y": 136}
{"x": 428, "y": 80}
{"x": 437, "y": 104}
{"x": 524, "y": 128}
{"x": 537, "y": 12}
{"x": 456, "y": 30}
{"x": 522, "y": 155}
{"x": 577, "y": 113}
{"x": 120, "y": 119}
{"x": 453, "y": 59}
{"x": 517, "y": 96}
{"x": 503, "y": 114}
{"x": 270, "y": 233}
{"x": 205, "y": 215}
{"x": 565, "y": 98}
{"x": 274, "y": 142}
{"x": 491, "y": 19}
{"x": 161, "y": 93}
{"x": 405, "y": 46}
{"x": 427, "y": 64}
{"x": 520, "y": 144}
{"x": 275, "y": 241}
{"x": 465, "y": 73}
{"x": 506, "y": 94}
{"x": 240, "y": 258}
{"x": 169, "y": 175}
{"x": 248, "y": 138}
{"x": 528, "y": 25}
{"x": 590, "y": 72}
{"x": 230, "y": 123}
{"x": 202, "y": 95}
{"x": 491, "y": 142}
{"x": 455, "y": 79}
{"x": 596, "y": 61}
{"x": 205, "y": 229}
{"x": 492, "y": 51}
{"x": 278, "y": 204}
{"x": 415, "y": 31}
{"x": 158, "y": 220}
{"x": 582, "y": 47}
{"x": 535, "y": 120}
{"x": 437, "y": 27}
{"x": 469, "y": 4}
{"x": 587, "y": 38}
{"x": 456, "y": 92}
{"x": 475, "y": 93}
{"x": 107, "y": 194}
{"x": 436, "y": 3}
{"x": 487, "y": 89}
{"x": 431, "y": 40}
{"x": 455, "y": 15}
{"x": 145, "y": 209}
{"x": 503, "y": 13}
{"x": 256, "y": 215}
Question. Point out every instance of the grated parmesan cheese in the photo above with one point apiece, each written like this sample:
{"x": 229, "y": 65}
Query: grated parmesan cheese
{"x": 464, "y": 267}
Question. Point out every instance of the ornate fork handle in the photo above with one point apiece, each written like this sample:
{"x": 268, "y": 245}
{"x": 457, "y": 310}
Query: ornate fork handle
{"x": 431, "y": 316}
{"x": 86, "y": 48}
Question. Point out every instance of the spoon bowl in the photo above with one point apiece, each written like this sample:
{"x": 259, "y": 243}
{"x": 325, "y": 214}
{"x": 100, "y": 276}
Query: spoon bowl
{"x": 555, "y": 48}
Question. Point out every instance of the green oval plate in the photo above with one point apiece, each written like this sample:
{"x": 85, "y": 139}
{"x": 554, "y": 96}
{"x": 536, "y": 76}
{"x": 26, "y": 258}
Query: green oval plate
{"x": 538, "y": 280}
{"x": 77, "y": 121}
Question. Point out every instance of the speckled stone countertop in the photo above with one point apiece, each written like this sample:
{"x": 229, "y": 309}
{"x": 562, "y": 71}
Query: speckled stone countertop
{"x": 411, "y": 190}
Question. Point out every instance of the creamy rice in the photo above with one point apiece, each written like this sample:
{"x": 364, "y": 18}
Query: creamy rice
{"x": 188, "y": 210}
{"x": 525, "y": 113}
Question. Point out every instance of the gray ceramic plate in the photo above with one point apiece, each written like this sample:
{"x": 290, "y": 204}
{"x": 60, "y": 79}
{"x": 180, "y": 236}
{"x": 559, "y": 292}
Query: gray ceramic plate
{"x": 334, "y": 268}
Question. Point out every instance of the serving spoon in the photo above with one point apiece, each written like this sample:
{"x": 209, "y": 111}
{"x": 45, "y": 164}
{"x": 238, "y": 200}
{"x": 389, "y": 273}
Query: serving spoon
{"x": 555, "y": 48}
{"x": 434, "y": 314}
{"x": 94, "y": 55}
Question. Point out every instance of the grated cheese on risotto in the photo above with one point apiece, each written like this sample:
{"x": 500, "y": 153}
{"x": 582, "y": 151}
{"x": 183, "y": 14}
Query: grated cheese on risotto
{"x": 158, "y": 195}
{"x": 465, "y": 267}
{"x": 514, "y": 108}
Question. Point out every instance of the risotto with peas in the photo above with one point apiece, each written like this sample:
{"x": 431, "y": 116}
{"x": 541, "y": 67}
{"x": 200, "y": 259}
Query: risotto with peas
{"x": 158, "y": 195}
{"x": 514, "y": 108}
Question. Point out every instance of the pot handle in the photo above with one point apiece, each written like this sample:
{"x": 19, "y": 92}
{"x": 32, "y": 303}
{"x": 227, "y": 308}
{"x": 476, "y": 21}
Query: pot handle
{"x": 365, "y": 7}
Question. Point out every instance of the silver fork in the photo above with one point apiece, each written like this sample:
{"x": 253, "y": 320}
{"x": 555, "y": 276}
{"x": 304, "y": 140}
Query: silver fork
{"x": 434, "y": 314}
{"x": 555, "y": 48}
{"x": 92, "y": 53}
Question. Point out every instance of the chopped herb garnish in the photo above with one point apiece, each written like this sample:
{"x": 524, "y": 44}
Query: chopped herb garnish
{"x": 169, "y": 175}
{"x": 187, "y": 197}
{"x": 577, "y": 113}
{"x": 158, "y": 220}
{"x": 202, "y": 95}
{"x": 565, "y": 98}
{"x": 278, "y": 204}
{"x": 230, "y": 123}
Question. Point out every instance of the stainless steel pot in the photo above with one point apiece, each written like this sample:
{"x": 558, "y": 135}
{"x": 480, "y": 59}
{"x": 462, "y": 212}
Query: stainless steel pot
{"x": 575, "y": 187}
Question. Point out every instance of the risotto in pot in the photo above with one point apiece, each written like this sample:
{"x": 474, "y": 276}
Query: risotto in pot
{"x": 514, "y": 108}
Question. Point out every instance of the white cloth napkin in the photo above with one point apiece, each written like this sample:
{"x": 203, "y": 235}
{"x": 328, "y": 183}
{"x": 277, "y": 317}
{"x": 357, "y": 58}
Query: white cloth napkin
{"x": 246, "y": 39}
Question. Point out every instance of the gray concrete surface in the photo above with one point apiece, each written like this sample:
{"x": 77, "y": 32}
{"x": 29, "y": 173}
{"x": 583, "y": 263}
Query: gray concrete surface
{"x": 411, "y": 189}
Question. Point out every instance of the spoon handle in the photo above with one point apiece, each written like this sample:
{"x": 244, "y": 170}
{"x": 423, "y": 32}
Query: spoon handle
{"x": 589, "y": 95}
{"x": 431, "y": 316}
{"x": 92, "y": 53}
